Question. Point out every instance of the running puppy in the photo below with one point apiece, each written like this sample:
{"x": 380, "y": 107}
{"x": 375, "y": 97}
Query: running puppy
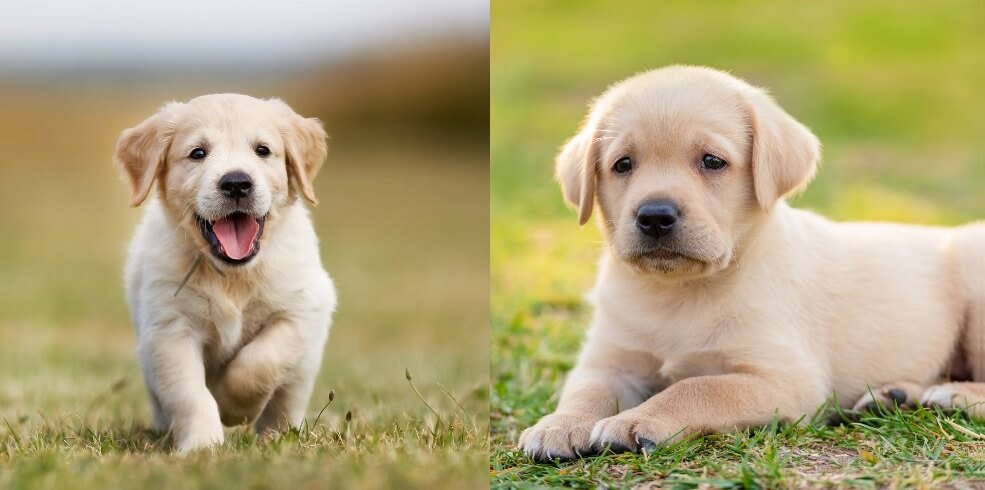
{"x": 226, "y": 289}
{"x": 717, "y": 305}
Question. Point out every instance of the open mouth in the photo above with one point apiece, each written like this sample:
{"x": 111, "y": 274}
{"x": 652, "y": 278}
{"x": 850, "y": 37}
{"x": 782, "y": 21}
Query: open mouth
{"x": 234, "y": 239}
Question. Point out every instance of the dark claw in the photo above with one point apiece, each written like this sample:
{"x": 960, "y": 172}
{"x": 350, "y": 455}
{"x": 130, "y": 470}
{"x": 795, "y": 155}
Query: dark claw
{"x": 646, "y": 445}
{"x": 897, "y": 395}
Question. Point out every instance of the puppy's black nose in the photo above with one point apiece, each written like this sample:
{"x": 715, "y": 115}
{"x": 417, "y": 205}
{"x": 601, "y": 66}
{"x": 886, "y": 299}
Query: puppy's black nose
{"x": 236, "y": 185}
{"x": 657, "y": 218}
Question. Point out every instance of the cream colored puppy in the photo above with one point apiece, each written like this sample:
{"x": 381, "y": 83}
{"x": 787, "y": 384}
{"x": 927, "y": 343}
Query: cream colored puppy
{"x": 717, "y": 306}
{"x": 226, "y": 289}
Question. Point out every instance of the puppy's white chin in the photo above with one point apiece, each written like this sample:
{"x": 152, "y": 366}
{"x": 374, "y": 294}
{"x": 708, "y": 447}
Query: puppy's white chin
{"x": 677, "y": 267}
{"x": 666, "y": 267}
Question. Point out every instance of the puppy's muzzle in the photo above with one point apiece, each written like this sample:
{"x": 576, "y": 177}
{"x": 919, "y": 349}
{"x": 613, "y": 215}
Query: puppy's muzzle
{"x": 657, "y": 218}
{"x": 236, "y": 185}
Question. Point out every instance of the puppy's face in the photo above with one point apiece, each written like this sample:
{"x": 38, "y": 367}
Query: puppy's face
{"x": 224, "y": 165}
{"x": 684, "y": 162}
{"x": 674, "y": 188}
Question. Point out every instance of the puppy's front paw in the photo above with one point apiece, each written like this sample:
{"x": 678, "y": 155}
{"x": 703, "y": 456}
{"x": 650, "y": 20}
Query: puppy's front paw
{"x": 635, "y": 431}
{"x": 199, "y": 432}
{"x": 557, "y": 436}
{"x": 239, "y": 400}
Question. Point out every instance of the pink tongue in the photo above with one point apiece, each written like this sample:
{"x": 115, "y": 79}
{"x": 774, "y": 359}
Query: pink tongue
{"x": 236, "y": 234}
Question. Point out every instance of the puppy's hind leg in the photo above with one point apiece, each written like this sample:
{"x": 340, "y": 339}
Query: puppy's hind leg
{"x": 968, "y": 395}
{"x": 969, "y": 265}
{"x": 973, "y": 341}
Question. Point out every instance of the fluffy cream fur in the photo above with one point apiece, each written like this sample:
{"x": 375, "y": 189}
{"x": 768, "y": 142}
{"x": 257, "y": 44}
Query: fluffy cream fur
{"x": 238, "y": 343}
{"x": 751, "y": 308}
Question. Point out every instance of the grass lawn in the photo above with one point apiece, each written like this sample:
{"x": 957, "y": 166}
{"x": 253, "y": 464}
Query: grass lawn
{"x": 893, "y": 90}
{"x": 73, "y": 411}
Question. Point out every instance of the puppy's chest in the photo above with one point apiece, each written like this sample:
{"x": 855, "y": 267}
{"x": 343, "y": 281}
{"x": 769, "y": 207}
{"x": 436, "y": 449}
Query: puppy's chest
{"x": 675, "y": 333}
{"x": 231, "y": 323}
{"x": 686, "y": 345}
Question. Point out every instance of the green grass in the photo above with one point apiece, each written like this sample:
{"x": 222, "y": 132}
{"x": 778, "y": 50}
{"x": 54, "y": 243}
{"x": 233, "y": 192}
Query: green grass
{"x": 893, "y": 90}
{"x": 403, "y": 232}
{"x": 891, "y": 449}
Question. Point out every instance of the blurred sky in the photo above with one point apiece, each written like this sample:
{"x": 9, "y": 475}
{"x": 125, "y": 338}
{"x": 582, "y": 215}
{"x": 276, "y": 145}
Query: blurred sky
{"x": 73, "y": 35}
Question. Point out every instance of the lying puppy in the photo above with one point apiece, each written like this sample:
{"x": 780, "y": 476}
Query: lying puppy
{"x": 717, "y": 306}
{"x": 226, "y": 289}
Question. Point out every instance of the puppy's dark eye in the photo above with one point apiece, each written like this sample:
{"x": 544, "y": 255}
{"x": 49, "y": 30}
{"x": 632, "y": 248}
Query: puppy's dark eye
{"x": 197, "y": 154}
{"x": 623, "y": 165}
{"x": 262, "y": 150}
{"x": 711, "y": 162}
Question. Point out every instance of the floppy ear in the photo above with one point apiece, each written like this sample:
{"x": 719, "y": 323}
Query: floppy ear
{"x": 141, "y": 150}
{"x": 575, "y": 169}
{"x": 304, "y": 140}
{"x": 785, "y": 153}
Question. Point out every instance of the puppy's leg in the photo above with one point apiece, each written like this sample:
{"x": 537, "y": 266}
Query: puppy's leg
{"x": 258, "y": 369}
{"x": 605, "y": 380}
{"x": 706, "y": 404}
{"x": 287, "y": 406}
{"x": 968, "y": 396}
{"x": 970, "y": 266}
{"x": 160, "y": 421}
{"x": 171, "y": 358}
{"x": 903, "y": 394}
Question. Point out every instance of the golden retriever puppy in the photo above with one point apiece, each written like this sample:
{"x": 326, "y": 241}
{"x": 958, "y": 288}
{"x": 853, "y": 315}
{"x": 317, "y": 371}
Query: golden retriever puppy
{"x": 718, "y": 306}
{"x": 226, "y": 288}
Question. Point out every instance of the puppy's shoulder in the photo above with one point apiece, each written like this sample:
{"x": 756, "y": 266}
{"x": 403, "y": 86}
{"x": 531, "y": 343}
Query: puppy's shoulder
{"x": 295, "y": 245}
{"x": 154, "y": 248}
{"x": 293, "y": 259}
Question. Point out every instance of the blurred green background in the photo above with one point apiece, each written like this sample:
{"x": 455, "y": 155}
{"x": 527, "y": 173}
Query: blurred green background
{"x": 894, "y": 90}
{"x": 403, "y": 226}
